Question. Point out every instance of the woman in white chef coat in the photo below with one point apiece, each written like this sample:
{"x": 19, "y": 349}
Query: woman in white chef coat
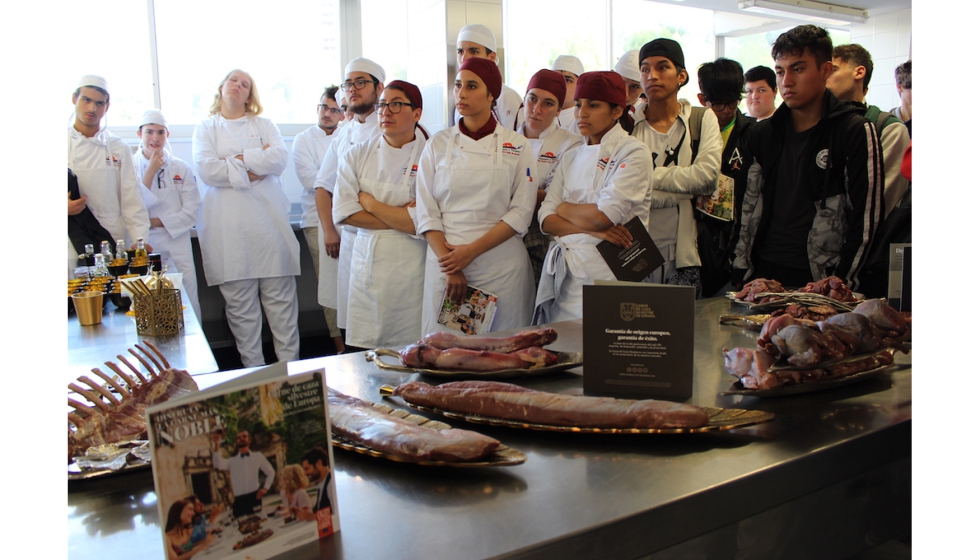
{"x": 597, "y": 188}
{"x": 248, "y": 247}
{"x": 171, "y": 197}
{"x": 476, "y": 192}
{"x": 375, "y": 192}
{"x": 542, "y": 105}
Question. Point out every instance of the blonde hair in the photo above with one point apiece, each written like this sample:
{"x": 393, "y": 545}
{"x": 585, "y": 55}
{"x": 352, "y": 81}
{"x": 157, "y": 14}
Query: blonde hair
{"x": 292, "y": 478}
{"x": 252, "y": 107}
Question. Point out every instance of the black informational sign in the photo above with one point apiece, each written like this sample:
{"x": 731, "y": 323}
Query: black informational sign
{"x": 900, "y": 276}
{"x": 638, "y": 340}
{"x": 636, "y": 262}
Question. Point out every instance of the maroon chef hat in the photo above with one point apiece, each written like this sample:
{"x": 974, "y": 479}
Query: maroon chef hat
{"x": 410, "y": 90}
{"x": 605, "y": 86}
{"x": 550, "y": 81}
{"x": 487, "y": 70}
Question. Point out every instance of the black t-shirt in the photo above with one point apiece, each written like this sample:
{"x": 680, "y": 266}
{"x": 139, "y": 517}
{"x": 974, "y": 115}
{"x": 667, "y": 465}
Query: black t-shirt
{"x": 793, "y": 208}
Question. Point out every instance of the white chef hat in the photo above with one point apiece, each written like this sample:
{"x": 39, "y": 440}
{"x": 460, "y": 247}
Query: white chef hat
{"x": 339, "y": 97}
{"x": 568, "y": 63}
{"x": 153, "y": 116}
{"x": 479, "y": 34}
{"x": 629, "y": 65}
{"x": 91, "y": 80}
{"x": 361, "y": 64}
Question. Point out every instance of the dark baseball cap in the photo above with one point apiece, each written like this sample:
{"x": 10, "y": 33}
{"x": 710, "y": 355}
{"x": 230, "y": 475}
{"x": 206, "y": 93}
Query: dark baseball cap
{"x": 667, "y": 48}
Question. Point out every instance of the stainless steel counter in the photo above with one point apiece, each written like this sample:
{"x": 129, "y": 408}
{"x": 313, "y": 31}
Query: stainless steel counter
{"x": 91, "y": 346}
{"x": 829, "y": 477}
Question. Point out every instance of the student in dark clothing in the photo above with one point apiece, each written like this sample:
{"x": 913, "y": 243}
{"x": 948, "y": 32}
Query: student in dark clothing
{"x": 722, "y": 85}
{"x": 813, "y": 196}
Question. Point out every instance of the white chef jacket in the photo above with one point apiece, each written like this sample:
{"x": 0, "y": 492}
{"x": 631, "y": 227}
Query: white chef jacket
{"x": 384, "y": 303}
{"x": 309, "y": 147}
{"x": 672, "y": 223}
{"x": 244, "y": 226}
{"x": 465, "y": 187}
{"x": 549, "y": 147}
{"x": 615, "y": 175}
{"x": 104, "y": 167}
{"x": 566, "y": 120}
{"x": 245, "y": 470}
{"x": 334, "y": 278}
{"x": 508, "y": 108}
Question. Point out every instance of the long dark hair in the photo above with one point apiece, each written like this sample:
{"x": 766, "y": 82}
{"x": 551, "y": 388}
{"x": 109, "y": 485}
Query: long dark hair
{"x": 173, "y": 516}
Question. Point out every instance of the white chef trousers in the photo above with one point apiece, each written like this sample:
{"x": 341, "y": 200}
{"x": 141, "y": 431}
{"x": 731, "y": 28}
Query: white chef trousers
{"x": 278, "y": 300}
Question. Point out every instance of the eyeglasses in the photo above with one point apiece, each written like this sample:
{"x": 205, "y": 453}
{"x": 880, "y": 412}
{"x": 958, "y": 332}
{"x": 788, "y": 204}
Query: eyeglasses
{"x": 334, "y": 110}
{"x": 395, "y": 107}
{"x": 356, "y": 84}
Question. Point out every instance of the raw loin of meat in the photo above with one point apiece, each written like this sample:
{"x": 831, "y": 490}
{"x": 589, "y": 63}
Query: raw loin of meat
{"x": 523, "y": 339}
{"x": 360, "y": 422}
{"x": 121, "y": 417}
{"x": 832, "y": 287}
{"x": 750, "y": 291}
{"x": 422, "y": 355}
{"x": 513, "y": 402}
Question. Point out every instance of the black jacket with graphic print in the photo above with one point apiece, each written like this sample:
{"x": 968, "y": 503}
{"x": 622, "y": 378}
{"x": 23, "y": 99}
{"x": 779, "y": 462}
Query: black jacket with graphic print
{"x": 845, "y": 180}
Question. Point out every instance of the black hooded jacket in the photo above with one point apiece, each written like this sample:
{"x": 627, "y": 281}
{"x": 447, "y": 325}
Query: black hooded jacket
{"x": 845, "y": 180}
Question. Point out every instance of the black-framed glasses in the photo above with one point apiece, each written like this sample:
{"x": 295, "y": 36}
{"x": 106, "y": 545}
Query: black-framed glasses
{"x": 395, "y": 107}
{"x": 356, "y": 84}
{"x": 334, "y": 110}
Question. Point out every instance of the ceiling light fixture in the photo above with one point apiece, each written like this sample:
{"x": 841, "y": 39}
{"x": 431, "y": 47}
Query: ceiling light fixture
{"x": 808, "y": 10}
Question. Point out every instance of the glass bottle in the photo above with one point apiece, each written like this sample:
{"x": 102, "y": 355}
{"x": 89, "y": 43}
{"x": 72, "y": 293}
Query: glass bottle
{"x": 99, "y": 269}
{"x": 106, "y": 252}
{"x": 140, "y": 248}
{"x": 121, "y": 250}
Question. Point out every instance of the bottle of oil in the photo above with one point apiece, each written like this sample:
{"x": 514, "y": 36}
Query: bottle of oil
{"x": 106, "y": 252}
{"x": 140, "y": 249}
{"x": 121, "y": 250}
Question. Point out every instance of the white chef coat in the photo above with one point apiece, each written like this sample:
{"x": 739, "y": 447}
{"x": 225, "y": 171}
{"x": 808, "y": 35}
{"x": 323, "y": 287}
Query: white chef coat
{"x": 173, "y": 197}
{"x": 549, "y": 147}
{"x": 616, "y": 175}
{"x": 104, "y": 167}
{"x": 508, "y": 108}
{"x": 465, "y": 187}
{"x": 244, "y": 228}
{"x": 309, "y": 147}
{"x": 334, "y": 278}
{"x": 384, "y": 305}
{"x": 566, "y": 120}
{"x": 672, "y": 224}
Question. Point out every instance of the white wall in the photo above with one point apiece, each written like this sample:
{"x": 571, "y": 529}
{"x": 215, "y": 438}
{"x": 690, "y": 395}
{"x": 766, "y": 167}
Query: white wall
{"x": 888, "y": 38}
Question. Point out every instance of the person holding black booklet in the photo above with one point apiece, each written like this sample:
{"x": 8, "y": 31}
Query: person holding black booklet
{"x": 597, "y": 188}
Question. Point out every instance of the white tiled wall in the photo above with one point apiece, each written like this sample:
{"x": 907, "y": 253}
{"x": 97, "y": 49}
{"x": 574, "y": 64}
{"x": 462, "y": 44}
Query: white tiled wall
{"x": 888, "y": 38}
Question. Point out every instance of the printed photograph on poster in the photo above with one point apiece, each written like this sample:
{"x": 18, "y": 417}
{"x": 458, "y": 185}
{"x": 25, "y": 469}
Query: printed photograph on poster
{"x": 244, "y": 467}
{"x": 473, "y": 316}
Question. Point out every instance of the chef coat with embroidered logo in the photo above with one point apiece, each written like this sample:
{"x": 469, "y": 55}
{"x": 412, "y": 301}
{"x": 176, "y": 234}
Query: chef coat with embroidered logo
{"x": 174, "y": 198}
{"x": 615, "y": 175}
{"x": 387, "y": 269}
{"x": 465, "y": 187}
{"x": 103, "y": 165}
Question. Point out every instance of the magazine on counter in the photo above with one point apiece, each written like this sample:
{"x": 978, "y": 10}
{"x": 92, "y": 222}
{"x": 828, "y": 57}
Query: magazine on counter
{"x": 473, "y": 316}
{"x": 244, "y": 469}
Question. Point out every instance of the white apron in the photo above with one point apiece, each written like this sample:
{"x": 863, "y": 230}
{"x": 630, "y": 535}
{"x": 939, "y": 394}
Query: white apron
{"x": 573, "y": 260}
{"x": 387, "y": 270}
{"x": 326, "y": 292}
{"x": 471, "y": 208}
{"x": 343, "y": 273}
